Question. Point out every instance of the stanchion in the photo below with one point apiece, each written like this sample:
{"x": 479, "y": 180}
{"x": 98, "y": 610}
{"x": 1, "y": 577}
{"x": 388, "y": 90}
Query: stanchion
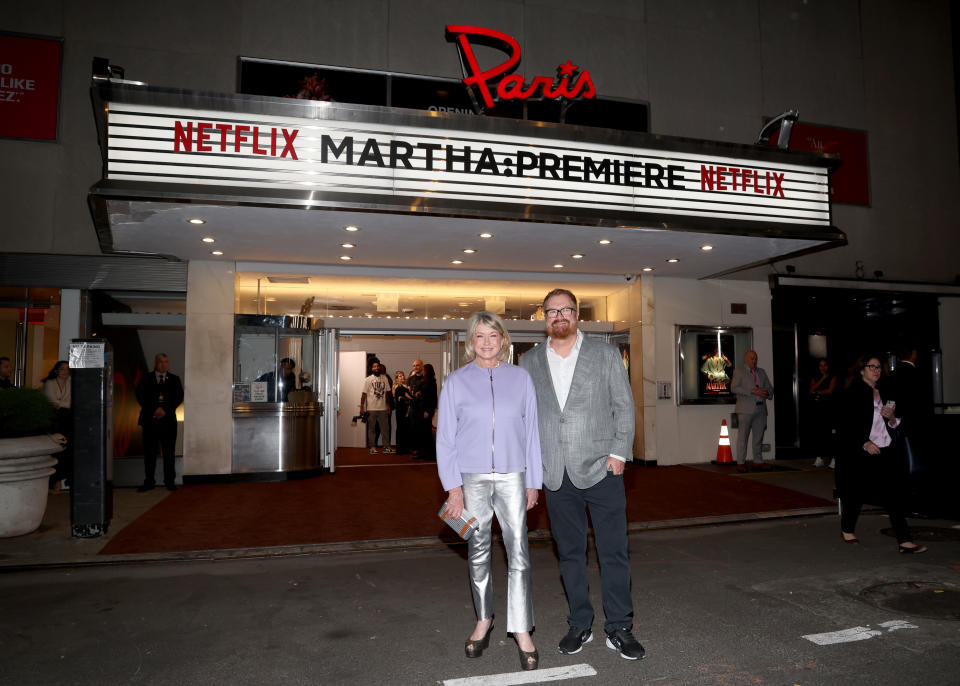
{"x": 724, "y": 454}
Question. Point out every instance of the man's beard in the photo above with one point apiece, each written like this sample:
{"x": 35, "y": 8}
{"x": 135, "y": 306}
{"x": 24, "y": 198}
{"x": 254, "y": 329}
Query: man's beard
{"x": 562, "y": 329}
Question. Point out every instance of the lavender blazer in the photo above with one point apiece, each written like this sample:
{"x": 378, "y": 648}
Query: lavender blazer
{"x": 487, "y": 422}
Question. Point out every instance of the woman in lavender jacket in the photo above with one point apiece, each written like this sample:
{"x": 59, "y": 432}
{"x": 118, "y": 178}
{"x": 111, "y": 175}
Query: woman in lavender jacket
{"x": 488, "y": 457}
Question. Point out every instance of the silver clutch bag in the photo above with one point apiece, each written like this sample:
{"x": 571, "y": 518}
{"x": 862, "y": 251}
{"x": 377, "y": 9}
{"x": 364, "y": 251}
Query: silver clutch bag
{"x": 466, "y": 525}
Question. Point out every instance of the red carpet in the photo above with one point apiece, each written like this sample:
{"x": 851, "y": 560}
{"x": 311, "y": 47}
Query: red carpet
{"x": 401, "y": 501}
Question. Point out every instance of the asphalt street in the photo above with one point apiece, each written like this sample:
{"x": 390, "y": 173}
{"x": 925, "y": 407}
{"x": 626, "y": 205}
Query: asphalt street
{"x": 779, "y": 602}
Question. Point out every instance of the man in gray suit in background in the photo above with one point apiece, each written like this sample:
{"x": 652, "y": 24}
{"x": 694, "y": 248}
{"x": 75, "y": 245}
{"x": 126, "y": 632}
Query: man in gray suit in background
{"x": 752, "y": 388}
{"x": 586, "y": 419}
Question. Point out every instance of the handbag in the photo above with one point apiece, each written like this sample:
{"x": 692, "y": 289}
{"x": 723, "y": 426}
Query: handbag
{"x": 466, "y": 525}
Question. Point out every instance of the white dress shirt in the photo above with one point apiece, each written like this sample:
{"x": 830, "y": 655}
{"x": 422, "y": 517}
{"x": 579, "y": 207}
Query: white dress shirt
{"x": 562, "y": 368}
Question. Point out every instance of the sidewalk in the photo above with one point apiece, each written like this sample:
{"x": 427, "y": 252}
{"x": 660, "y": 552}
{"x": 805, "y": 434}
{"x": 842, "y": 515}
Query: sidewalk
{"x": 52, "y": 544}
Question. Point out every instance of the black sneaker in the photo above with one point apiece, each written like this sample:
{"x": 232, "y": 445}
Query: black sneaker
{"x": 574, "y": 640}
{"x": 624, "y": 643}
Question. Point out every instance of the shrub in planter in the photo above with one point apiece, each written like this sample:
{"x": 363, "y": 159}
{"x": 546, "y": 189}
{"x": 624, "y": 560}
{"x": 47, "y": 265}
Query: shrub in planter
{"x": 25, "y": 412}
{"x": 26, "y": 462}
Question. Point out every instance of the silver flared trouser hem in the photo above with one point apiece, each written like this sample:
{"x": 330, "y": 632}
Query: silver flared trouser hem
{"x": 506, "y": 496}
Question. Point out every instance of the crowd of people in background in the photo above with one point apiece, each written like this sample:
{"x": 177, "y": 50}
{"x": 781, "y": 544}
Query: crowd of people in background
{"x": 410, "y": 399}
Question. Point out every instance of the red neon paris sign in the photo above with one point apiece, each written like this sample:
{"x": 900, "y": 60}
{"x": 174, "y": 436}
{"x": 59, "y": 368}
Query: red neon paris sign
{"x": 570, "y": 84}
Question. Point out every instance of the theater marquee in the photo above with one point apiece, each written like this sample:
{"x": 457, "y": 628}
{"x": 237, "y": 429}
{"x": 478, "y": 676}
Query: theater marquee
{"x": 443, "y": 159}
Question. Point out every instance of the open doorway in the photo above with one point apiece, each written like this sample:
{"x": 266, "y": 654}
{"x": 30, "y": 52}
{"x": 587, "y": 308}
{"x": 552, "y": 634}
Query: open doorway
{"x": 396, "y": 352}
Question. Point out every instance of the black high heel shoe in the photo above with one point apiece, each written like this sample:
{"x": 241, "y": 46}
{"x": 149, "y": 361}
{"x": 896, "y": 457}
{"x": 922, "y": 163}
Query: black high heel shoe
{"x": 529, "y": 661}
{"x": 476, "y": 648}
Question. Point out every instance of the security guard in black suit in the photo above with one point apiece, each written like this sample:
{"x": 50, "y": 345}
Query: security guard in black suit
{"x": 159, "y": 394}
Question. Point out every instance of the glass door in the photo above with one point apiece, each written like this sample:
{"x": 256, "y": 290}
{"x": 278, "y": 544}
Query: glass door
{"x": 328, "y": 387}
{"x": 29, "y": 333}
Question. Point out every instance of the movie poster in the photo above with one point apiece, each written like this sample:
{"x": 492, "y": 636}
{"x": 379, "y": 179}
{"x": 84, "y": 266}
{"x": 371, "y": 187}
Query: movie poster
{"x": 716, "y": 355}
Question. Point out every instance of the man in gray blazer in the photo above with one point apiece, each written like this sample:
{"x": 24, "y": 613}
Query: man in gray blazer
{"x": 752, "y": 388}
{"x": 586, "y": 420}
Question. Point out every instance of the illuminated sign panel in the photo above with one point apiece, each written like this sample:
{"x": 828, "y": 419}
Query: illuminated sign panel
{"x": 570, "y": 84}
{"x": 230, "y": 149}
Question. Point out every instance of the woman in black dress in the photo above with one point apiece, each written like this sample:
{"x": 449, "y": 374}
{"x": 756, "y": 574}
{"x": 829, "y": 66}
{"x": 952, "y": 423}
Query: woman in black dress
{"x": 868, "y": 467}
{"x": 823, "y": 392}
{"x": 428, "y": 403}
{"x": 403, "y": 408}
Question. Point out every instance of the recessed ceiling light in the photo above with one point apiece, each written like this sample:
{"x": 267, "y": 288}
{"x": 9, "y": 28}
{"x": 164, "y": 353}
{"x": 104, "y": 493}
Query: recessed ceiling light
{"x": 456, "y": 261}
{"x": 271, "y": 300}
{"x": 577, "y": 256}
{"x": 216, "y": 252}
{"x": 345, "y": 258}
{"x": 208, "y": 239}
{"x": 558, "y": 266}
{"x": 348, "y": 245}
{"x": 706, "y": 248}
{"x": 647, "y": 269}
{"x": 469, "y": 251}
{"x": 196, "y": 221}
{"x": 604, "y": 241}
{"x": 485, "y": 235}
{"x": 463, "y": 304}
{"x": 672, "y": 260}
{"x": 350, "y": 228}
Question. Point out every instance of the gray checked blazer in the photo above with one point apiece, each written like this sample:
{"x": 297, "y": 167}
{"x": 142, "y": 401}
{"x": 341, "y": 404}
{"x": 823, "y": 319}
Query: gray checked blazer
{"x": 597, "y": 420}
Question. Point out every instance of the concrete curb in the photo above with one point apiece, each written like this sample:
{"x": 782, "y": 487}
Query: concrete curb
{"x": 539, "y": 536}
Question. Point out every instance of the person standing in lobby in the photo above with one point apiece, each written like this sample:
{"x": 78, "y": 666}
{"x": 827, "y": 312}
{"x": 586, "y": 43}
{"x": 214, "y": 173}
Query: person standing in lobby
{"x": 159, "y": 394}
{"x": 752, "y": 387}
{"x": 57, "y": 388}
{"x": 375, "y": 399}
{"x": 586, "y": 417}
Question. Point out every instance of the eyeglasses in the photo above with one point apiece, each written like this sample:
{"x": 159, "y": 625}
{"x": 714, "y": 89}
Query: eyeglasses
{"x": 875, "y": 367}
{"x": 553, "y": 313}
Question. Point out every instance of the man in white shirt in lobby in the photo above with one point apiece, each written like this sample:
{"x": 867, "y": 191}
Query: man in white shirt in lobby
{"x": 376, "y": 399}
{"x": 752, "y": 387}
{"x": 585, "y": 412}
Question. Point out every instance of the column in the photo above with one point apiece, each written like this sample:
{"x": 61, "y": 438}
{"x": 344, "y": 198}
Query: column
{"x": 208, "y": 369}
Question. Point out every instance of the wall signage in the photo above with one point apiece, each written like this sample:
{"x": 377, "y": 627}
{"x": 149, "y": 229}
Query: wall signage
{"x": 352, "y": 158}
{"x": 500, "y": 83}
{"x": 29, "y": 87}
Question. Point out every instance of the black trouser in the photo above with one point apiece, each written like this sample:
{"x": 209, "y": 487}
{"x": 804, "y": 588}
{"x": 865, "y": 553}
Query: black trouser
{"x": 164, "y": 433}
{"x": 567, "y": 507}
{"x": 874, "y": 474}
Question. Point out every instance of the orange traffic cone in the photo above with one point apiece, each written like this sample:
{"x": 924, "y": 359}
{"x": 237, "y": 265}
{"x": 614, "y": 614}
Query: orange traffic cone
{"x": 724, "y": 454}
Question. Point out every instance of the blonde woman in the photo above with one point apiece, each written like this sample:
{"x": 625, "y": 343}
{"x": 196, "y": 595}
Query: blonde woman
{"x": 403, "y": 408}
{"x": 488, "y": 458}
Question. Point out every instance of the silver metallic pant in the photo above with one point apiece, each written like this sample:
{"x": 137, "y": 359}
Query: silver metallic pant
{"x": 506, "y": 496}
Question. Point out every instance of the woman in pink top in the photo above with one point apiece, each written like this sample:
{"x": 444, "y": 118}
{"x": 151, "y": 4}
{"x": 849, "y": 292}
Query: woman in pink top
{"x": 868, "y": 467}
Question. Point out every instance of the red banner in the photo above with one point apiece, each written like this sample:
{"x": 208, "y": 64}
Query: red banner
{"x": 29, "y": 87}
{"x": 851, "y": 182}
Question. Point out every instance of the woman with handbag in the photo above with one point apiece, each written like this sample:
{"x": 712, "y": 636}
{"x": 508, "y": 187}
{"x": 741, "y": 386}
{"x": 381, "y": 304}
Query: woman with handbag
{"x": 489, "y": 462}
{"x": 869, "y": 468}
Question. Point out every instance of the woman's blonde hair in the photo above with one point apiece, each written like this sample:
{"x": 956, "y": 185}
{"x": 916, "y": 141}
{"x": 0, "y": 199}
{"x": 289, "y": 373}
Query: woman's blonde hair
{"x": 495, "y": 323}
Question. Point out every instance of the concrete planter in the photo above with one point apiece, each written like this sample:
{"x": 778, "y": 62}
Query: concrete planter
{"x": 25, "y": 468}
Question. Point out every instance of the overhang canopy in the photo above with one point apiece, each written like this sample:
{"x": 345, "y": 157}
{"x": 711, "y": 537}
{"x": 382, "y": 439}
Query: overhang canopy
{"x": 278, "y": 180}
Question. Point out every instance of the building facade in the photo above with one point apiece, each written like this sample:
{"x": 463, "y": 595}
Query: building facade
{"x": 708, "y": 73}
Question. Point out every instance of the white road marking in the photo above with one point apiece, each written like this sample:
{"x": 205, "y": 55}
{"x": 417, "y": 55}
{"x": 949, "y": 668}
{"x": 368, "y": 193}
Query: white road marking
{"x": 857, "y": 633}
{"x": 896, "y": 624}
{"x": 538, "y": 676}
